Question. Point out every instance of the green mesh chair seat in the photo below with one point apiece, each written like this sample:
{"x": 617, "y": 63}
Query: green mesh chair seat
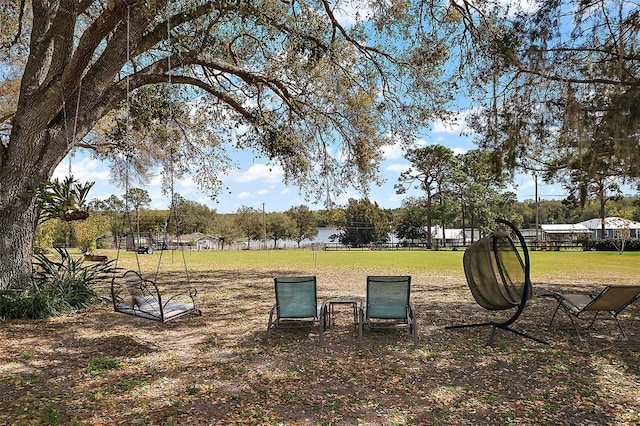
{"x": 296, "y": 305}
{"x": 388, "y": 304}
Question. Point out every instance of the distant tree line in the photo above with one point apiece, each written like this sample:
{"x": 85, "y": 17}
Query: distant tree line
{"x": 359, "y": 222}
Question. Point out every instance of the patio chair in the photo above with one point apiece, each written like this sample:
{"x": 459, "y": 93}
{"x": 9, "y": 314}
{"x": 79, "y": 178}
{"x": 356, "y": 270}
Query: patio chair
{"x": 612, "y": 300}
{"x": 297, "y": 305}
{"x": 388, "y": 304}
{"x": 499, "y": 278}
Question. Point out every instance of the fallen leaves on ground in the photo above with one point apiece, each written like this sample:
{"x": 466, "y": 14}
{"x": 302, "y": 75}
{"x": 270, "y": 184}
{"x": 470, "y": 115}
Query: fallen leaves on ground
{"x": 215, "y": 369}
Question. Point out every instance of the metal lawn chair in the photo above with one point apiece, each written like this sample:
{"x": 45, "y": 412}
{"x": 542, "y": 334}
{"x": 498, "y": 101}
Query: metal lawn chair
{"x": 612, "y": 300}
{"x": 388, "y": 304}
{"x": 297, "y": 305}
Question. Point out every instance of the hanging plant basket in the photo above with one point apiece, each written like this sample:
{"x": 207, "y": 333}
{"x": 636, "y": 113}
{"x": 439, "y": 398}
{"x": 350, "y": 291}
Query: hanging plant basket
{"x": 71, "y": 215}
{"x": 63, "y": 200}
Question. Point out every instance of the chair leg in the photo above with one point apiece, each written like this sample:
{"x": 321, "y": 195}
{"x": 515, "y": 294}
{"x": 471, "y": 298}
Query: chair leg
{"x": 615, "y": 317}
{"x": 355, "y": 314}
{"x": 576, "y": 327}
{"x": 266, "y": 335}
{"x": 322, "y": 324}
{"x": 269, "y": 327}
{"x": 593, "y": 320}
{"x": 624, "y": 335}
{"x": 360, "y": 325}
{"x": 413, "y": 326}
{"x": 554, "y": 315}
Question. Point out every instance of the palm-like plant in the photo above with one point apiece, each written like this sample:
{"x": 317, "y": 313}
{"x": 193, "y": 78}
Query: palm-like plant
{"x": 61, "y": 283}
{"x": 63, "y": 200}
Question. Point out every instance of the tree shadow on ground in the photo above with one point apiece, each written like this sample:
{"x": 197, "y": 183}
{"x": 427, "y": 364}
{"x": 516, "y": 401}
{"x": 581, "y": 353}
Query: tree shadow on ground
{"x": 214, "y": 368}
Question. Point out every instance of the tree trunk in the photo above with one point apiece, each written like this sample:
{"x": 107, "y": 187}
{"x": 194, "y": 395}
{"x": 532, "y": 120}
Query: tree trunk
{"x": 17, "y": 226}
{"x": 602, "y": 212}
{"x": 28, "y": 160}
{"x": 464, "y": 223}
{"x": 429, "y": 220}
{"x": 472, "y": 225}
{"x": 444, "y": 235}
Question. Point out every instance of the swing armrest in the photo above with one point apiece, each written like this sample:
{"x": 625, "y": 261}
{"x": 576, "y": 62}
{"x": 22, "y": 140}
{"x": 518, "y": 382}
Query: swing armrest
{"x": 130, "y": 285}
{"x": 191, "y": 294}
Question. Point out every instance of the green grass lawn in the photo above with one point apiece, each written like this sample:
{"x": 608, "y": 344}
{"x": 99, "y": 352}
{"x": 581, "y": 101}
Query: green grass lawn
{"x": 597, "y": 262}
{"x": 544, "y": 264}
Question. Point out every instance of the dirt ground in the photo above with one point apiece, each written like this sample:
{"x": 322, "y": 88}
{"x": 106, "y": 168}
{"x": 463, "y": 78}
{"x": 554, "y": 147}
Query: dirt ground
{"x": 103, "y": 368}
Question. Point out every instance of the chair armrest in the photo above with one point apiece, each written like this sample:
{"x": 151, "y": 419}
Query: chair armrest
{"x": 191, "y": 294}
{"x": 547, "y": 295}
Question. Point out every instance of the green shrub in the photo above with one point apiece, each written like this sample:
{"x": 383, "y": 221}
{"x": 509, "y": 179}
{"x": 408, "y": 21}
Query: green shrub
{"x": 60, "y": 284}
{"x": 16, "y": 303}
{"x": 613, "y": 244}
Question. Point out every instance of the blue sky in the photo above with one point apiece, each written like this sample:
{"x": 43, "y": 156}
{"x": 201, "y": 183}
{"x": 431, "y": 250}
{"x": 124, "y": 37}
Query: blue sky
{"x": 255, "y": 183}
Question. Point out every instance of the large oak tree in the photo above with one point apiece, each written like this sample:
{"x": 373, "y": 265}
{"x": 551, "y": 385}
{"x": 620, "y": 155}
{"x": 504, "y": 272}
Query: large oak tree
{"x": 295, "y": 81}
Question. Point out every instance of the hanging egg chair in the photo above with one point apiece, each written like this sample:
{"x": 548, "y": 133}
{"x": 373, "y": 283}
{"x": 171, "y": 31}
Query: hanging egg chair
{"x": 498, "y": 275}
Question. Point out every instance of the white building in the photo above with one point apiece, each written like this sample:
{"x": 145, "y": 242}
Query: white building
{"x": 565, "y": 232}
{"x": 614, "y": 226}
{"x": 453, "y": 236}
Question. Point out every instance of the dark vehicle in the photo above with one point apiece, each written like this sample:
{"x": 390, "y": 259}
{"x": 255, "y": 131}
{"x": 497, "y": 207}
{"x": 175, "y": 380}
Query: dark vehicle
{"x": 145, "y": 250}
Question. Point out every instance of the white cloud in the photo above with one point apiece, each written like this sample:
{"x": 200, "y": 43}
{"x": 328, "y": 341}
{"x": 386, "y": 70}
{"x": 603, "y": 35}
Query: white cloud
{"x": 83, "y": 169}
{"x": 528, "y": 183}
{"x": 527, "y": 6}
{"x": 156, "y": 180}
{"x": 458, "y": 151}
{"x": 343, "y": 199}
{"x": 187, "y": 186}
{"x": 396, "y": 150}
{"x": 244, "y": 195}
{"x": 391, "y": 152}
{"x": 264, "y": 191}
{"x": 421, "y": 142}
{"x": 454, "y": 126}
{"x": 350, "y": 12}
{"x": 258, "y": 172}
{"x": 395, "y": 199}
{"x": 397, "y": 167}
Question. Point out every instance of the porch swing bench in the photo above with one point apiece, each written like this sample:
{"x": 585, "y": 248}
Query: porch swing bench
{"x": 134, "y": 295}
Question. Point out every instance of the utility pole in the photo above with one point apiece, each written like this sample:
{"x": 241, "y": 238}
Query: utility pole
{"x": 264, "y": 228}
{"x": 535, "y": 180}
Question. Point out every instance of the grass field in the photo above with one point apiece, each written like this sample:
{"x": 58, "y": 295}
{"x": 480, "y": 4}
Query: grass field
{"x": 102, "y": 368}
{"x": 603, "y": 267}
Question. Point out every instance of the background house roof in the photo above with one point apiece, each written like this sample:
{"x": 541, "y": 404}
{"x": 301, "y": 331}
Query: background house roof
{"x": 612, "y": 222}
{"x": 565, "y": 228}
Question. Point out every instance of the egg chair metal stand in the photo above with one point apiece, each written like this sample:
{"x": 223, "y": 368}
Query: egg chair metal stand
{"x": 499, "y": 277}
